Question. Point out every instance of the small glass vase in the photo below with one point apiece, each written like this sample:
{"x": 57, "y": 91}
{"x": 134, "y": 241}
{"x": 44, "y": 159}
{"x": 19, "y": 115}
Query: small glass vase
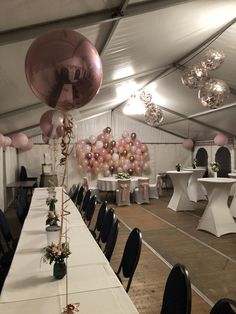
{"x": 59, "y": 270}
{"x": 53, "y": 234}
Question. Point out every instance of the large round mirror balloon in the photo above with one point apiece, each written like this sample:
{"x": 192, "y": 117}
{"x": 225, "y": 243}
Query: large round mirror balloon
{"x": 63, "y": 69}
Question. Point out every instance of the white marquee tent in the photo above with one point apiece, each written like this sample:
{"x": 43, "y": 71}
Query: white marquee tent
{"x": 142, "y": 44}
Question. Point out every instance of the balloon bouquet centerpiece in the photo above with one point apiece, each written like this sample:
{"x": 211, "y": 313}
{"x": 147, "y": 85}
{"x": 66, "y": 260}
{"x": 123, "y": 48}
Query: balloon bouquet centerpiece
{"x": 64, "y": 70}
{"x": 102, "y": 154}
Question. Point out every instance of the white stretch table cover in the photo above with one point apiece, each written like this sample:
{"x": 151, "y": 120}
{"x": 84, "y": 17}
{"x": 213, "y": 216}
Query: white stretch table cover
{"x": 217, "y": 218}
{"x": 110, "y": 183}
{"x": 233, "y": 203}
{"x": 180, "y": 200}
{"x": 30, "y": 286}
{"x": 195, "y": 189}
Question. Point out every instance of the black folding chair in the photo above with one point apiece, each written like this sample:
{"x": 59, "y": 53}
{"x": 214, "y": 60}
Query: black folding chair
{"x": 79, "y": 197}
{"x": 21, "y": 211}
{"x": 177, "y": 298}
{"x": 130, "y": 256}
{"x": 100, "y": 218}
{"x": 106, "y": 226}
{"x": 89, "y": 211}
{"x": 224, "y": 306}
{"x": 6, "y": 232}
{"x": 111, "y": 240}
{"x": 85, "y": 202}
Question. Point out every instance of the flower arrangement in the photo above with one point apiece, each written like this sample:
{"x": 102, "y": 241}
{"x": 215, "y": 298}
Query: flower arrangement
{"x": 71, "y": 308}
{"x": 50, "y": 201}
{"x": 56, "y": 253}
{"x": 194, "y": 164}
{"x": 178, "y": 167}
{"x": 52, "y": 218}
{"x": 122, "y": 175}
{"x": 215, "y": 166}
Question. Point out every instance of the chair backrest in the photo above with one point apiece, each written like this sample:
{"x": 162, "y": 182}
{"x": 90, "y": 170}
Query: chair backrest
{"x": 89, "y": 211}
{"x": 111, "y": 240}
{"x": 224, "y": 306}
{"x": 101, "y": 215}
{"x": 159, "y": 184}
{"x": 131, "y": 255}
{"x": 143, "y": 185}
{"x": 85, "y": 183}
{"x": 23, "y": 173}
{"x": 5, "y": 229}
{"x": 177, "y": 298}
{"x": 72, "y": 190}
{"x": 106, "y": 226}
{"x": 123, "y": 190}
{"x": 79, "y": 196}
{"x": 85, "y": 201}
{"x": 20, "y": 211}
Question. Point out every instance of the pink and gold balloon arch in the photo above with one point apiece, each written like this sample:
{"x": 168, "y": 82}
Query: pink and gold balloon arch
{"x": 103, "y": 154}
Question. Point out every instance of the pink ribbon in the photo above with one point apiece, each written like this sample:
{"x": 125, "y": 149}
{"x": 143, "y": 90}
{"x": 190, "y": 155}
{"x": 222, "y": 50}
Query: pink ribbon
{"x": 124, "y": 191}
{"x": 145, "y": 186}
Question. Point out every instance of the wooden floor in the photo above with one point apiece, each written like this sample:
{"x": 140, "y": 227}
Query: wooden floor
{"x": 168, "y": 238}
{"x": 171, "y": 237}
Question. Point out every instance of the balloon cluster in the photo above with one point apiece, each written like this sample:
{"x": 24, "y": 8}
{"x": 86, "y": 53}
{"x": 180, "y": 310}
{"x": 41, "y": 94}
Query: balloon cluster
{"x": 18, "y": 140}
{"x": 153, "y": 114}
{"x": 212, "y": 92}
{"x": 102, "y": 154}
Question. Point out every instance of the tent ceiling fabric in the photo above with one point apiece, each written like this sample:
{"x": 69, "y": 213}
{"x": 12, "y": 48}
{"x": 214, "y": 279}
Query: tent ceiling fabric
{"x": 138, "y": 45}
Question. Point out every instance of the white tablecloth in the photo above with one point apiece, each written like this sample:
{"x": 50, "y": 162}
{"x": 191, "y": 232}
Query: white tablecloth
{"x": 30, "y": 286}
{"x": 110, "y": 183}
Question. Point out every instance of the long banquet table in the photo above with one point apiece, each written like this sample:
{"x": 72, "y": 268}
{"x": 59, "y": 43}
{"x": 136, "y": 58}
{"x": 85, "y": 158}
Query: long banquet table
{"x": 30, "y": 286}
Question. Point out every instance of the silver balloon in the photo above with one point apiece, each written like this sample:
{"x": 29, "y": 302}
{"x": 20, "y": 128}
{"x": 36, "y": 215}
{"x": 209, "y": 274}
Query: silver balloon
{"x": 146, "y": 97}
{"x": 213, "y": 93}
{"x": 212, "y": 59}
{"x": 153, "y": 115}
{"x": 194, "y": 76}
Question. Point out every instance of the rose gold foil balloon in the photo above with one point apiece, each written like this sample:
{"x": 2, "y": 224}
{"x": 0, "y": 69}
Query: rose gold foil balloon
{"x": 107, "y": 130}
{"x": 132, "y": 158}
{"x": 105, "y": 145}
{"x": 130, "y": 171}
{"x": 51, "y": 123}
{"x": 113, "y": 143}
{"x": 63, "y": 69}
{"x": 133, "y": 136}
{"x": 89, "y": 155}
{"x": 96, "y": 155}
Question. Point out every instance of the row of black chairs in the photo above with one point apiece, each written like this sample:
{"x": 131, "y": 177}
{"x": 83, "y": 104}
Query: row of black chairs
{"x": 177, "y": 298}
{"x": 106, "y": 231}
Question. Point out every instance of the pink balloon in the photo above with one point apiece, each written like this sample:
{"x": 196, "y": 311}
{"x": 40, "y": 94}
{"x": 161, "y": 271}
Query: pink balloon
{"x": 29, "y": 146}
{"x": 221, "y": 139}
{"x": 19, "y": 140}
{"x": 188, "y": 143}
{"x": 101, "y": 137}
{"x": 137, "y": 143}
{"x": 8, "y": 141}
{"x": 2, "y": 140}
{"x": 63, "y": 69}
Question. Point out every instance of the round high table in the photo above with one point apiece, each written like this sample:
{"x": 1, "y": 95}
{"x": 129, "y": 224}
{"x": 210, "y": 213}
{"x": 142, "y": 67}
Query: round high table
{"x": 180, "y": 200}
{"x": 217, "y": 218}
{"x": 195, "y": 189}
{"x": 233, "y": 203}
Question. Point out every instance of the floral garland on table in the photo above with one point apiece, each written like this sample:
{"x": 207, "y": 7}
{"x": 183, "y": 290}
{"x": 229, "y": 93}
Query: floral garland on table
{"x": 56, "y": 253}
{"x": 122, "y": 175}
{"x": 215, "y": 166}
{"x": 50, "y": 201}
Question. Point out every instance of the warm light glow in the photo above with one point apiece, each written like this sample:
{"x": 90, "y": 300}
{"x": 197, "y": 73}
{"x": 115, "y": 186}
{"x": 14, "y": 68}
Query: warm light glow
{"x": 134, "y": 107}
{"x": 123, "y": 72}
{"x": 126, "y": 89}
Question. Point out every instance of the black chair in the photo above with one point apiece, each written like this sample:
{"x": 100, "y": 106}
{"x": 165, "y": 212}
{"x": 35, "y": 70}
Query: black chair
{"x": 24, "y": 176}
{"x": 224, "y": 306}
{"x": 20, "y": 211}
{"x": 100, "y": 218}
{"x": 177, "y": 298}
{"x": 85, "y": 202}
{"x": 89, "y": 211}
{"x": 79, "y": 197}
{"x": 106, "y": 226}
{"x": 5, "y": 257}
{"x": 72, "y": 191}
{"x": 130, "y": 256}
{"x": 111, "y": 240}
{"x": 6, "y": 232}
